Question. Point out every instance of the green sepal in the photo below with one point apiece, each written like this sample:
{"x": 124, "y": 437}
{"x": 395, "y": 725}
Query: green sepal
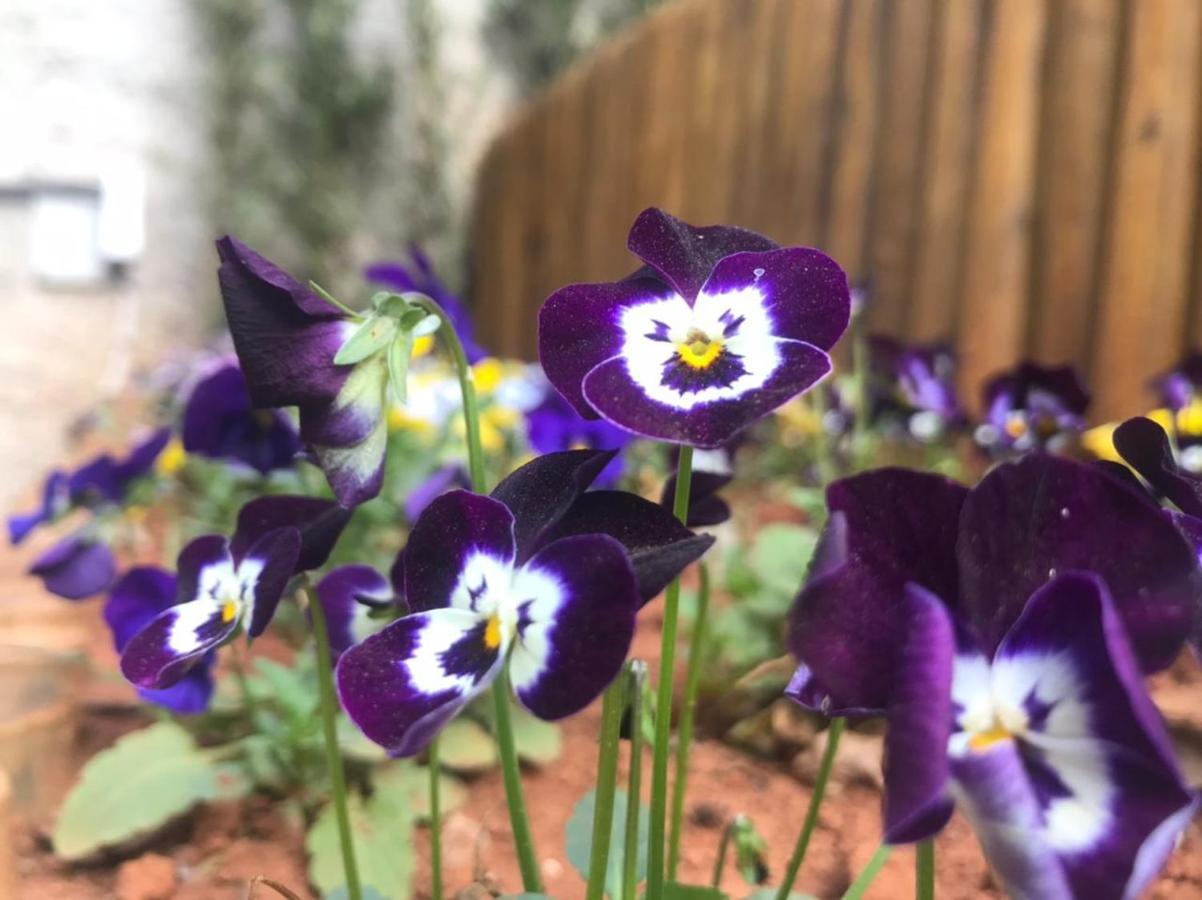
{"x": 399, "y": 354}
{"x": 372, "y": 336}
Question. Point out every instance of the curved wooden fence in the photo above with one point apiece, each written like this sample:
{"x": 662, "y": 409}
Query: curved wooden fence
{"x": 1016, "y": 176}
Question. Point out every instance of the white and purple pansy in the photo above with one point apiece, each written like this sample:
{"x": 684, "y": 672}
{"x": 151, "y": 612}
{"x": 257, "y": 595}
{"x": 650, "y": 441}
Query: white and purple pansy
{"x": 1005, "y": 631}
{"x": 1033, "y": 407}
{"x": 298, "y": 349}
{"x": 77, "y": 567}
{"x": 352, "y": 598}
{"x": 543, "y": 576}
{"x": 720, "y": 327}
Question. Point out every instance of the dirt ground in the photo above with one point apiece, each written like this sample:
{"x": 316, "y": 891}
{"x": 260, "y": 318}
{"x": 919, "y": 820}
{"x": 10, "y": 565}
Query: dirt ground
{"x": 215, "y": 853}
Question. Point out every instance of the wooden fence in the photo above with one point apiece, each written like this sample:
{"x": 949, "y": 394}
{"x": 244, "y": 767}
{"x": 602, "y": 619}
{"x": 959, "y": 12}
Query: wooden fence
{"x": 1016, "y": 176}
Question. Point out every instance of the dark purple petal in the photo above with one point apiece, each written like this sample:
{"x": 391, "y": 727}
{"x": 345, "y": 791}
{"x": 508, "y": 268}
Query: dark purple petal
{"x": 575, "y": 626}
{"x": 347, "y": 595}
{"x": 320, "y": 523}
{"x": 1042, "y": 515}
{"x": 219, "y": 423}
{"x": 191, "y": 695}
{"x": 76, "y": 568}
{"x": 685, "y": 255}
{"x": 804, "y": 291}
{"x": 55, "y": 500}
{"x": 1146, "y": 448}
{"x": 541, "y": 492}
{"x": 439, "y": 482}
{"x": 286, "y": 336}
{"x": 918, "y": 802}
{"x": 553, "y": 426}
{"x": 613, "y": 393}
{"x": 658, "y": 545}
{"x": 264, "y": 572}
{"x": 887, "y": 528}
{"x": 137, "y": 597}
{"x": 402, "y": 685}
{"x": 706, "y": 508}
{"x": 95, "y": 482}
{"x": 141, "y": 459}
{"x": 175, "y": 641}
{"x": 355, "y": 473}
{"x": 1178, "y": 387}
{"x": 578, "y": 330}
{"x": 453, "y": 528}
{"x": 202, "y": 553}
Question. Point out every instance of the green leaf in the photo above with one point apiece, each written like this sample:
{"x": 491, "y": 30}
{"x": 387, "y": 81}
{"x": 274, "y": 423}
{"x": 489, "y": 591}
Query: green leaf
{"x": 143, "y": 781}
{"x": 538, "y": 742}
{"x": 354, "y": 744}
{"x": 579, "y": 833}
{"x": 399, "y": 354}
{"x": 290, "y": 689}
{"x": 366, "y": 891}
{"x": 452, "y": 792}
{"x": 466, "y": 746}
{"x": 780, "y": 555}
{"x": 674, "y": 890}
{"x": 370, "y": 338}
{"x": 383, "y": 832}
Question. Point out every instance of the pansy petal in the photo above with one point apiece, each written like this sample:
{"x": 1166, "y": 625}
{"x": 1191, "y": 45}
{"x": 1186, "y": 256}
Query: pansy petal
{"x": 1030, "y": 519}
{"x": 658, "y": 545}
{"x": 712, "y": 415}
{"x": 541, "y": 492}
{"x": 578, "y": 329}
{"x": 402, "y": 685}
{"x": 137, "y": 597}
{"x": 354, "y": 413}
{"x": 264, "y": 572}
{"x": 355, "y": 473}
{"x": 174, "y": 641}
{"x": 576, "y": 621}
{"x": 320, "y": 523}
{"x": 286, "y": 336}
{"x": 441, "y": 480}
{"x": 76, "y": 568}
{"x": 455, "y": 545}
{"x": 203, "y": 563}
{"x": 191, "y": 695}
{"x": 55, "y": 494}
{"x": 1146, "y": 448}
{"x": 141, "y": 458}
{"x": 685, "y": 255}
{"x": 918, "y": 802}
{"x": 804, "y": 291}
{"x": 347, "y": 595}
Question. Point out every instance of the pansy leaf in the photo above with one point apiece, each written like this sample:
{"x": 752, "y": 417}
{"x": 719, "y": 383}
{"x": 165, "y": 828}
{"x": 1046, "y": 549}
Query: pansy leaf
{"x": 466, "y": 746}
{"x": 139, "y": 784}
{"x": 579, "y": 837}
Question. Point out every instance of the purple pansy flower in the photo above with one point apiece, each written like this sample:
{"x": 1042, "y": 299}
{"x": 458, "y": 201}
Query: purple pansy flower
{"x": 1033, "y": 407}
{"x": 543, "y": 576}
{"x": 1178, "y": 387}
{"x": 554, "y": 425}
{"x": 220, "y": 423}
{"x": 102, "y": 480}
{"x": 348, "y": 595}
{"x": 441, "y": 480}
{"x": 419, "y": 275}
{"x": 135, "y": 600}
{"x": 298, "y": 349}
{"x": 712, "y": 471}
{"x": 913, "y": 388}
{"x": 1004, "y": 631}
{"x": 226, "y": 584}
{"x": 77, "y": 567}
{"x": 718, "y": 329}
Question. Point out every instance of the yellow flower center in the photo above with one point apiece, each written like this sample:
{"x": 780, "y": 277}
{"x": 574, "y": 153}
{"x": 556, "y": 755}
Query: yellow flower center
{"x": 1004, "y": 723}
{"x": 172, "y": 459}
{"x": 699, "y": 351}
{"x": 1189, "y": 418}
{"x": 983, "y": 740}
{"x": 1016, "y": 426}
{"x": 229, "y": 609}
{"x": 492, "y": 633}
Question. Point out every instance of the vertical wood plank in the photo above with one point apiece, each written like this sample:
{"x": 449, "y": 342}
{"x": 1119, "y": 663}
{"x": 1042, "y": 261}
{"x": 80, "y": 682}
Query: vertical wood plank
{"x": 993, "y": 316}
{"x": 855, "y": 117}
{"x": 892, "y": 224}
{"x": 934, "y": 292}
{"x": 1141, "y": 312}
{"x": 1075, "y": 132}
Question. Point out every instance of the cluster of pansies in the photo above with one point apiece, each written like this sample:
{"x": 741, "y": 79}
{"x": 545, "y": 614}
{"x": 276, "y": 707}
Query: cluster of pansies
{"x": 1004, "y": 631}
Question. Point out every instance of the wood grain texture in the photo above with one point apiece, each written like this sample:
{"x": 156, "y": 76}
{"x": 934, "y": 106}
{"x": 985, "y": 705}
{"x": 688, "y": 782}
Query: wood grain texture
{"x": 1145, "y": 263}
{"x": 1019, "y": 175}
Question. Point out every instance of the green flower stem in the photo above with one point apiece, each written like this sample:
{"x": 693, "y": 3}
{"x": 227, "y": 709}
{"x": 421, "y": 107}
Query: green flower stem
{"x": 723, "y": 847}
{"x": 435, "y": 820}
{"x": 860, "y": 886}
{"x": 684, "y": 735}
{"x": 329, "y": 712}
{"x": 634, "y": 790}
{"x": 663, "y": 706}
{"x": 522, "y": 839}
{"x": 518, "y": 819}
{"x": 607, "y": 782}
{"x": 811, "y": 819}
{"x": 924, "y": 870}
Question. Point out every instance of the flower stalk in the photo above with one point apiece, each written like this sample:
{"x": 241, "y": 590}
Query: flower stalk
{"x": 433, "y": 768}
{"x": 684, "y": 736}
{"x": 663, "y": 708}
{"x": 607, "y": 780}
{"x": 864, "y": 880}
{"x": 924, "y": 870}
{"x": 329, "y": 711}
{"x": 636, "y": 680}
{"x": 811, "y": 820}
